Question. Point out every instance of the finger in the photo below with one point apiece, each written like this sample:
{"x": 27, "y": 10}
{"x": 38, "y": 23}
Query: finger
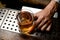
{"x": 42, "y": 23}
{"x": 39, "y": 20}
{"x": 48, "y": 28}
{"x": 45, "y": 25}
{"x": 31, "y": 29}
{"x": 35, "y": 17}
{"x": 34, "y": 25}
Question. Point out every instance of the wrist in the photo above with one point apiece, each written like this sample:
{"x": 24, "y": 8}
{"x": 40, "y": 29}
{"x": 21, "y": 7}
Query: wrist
{"x": 51, "y": 6}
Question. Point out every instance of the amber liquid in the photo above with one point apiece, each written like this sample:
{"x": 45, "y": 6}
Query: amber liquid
{"x": 26, "y": 23}
{"x": 26, "y": 29}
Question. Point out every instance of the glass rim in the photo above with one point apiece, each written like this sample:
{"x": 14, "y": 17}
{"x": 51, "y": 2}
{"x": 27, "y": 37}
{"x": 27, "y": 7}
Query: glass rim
{"x": 19, "y": 15}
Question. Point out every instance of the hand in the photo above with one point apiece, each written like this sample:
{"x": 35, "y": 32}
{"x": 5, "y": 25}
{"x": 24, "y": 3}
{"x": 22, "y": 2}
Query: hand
{"x": 44, "y": 17}
{"x": 43, "y": 20}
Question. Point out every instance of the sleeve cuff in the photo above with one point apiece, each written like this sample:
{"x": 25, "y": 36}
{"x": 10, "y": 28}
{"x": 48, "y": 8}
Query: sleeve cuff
{"x": 58, "y": 1}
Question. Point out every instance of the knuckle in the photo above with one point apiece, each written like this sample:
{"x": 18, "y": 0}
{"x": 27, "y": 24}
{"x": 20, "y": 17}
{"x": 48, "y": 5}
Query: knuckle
{"x": 42, "y": 29}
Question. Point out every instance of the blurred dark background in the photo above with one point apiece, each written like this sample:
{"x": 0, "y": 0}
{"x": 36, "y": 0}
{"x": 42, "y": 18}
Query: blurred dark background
{"x": 14, "y": 4}
{"x": 17, "y": 4}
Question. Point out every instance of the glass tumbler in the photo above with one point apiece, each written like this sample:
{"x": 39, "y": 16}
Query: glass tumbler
{"x": 25, "y": 21}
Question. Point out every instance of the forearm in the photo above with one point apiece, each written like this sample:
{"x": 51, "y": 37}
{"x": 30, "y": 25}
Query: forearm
{"x": 51, "y": 6}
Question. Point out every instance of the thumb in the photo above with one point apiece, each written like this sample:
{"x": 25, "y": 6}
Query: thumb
{"x": 35, "y": 17}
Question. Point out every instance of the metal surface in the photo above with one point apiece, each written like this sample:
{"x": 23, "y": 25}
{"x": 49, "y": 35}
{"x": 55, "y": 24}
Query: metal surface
{"x": 3, "y": 13}
{"x": 8, "y": 19}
